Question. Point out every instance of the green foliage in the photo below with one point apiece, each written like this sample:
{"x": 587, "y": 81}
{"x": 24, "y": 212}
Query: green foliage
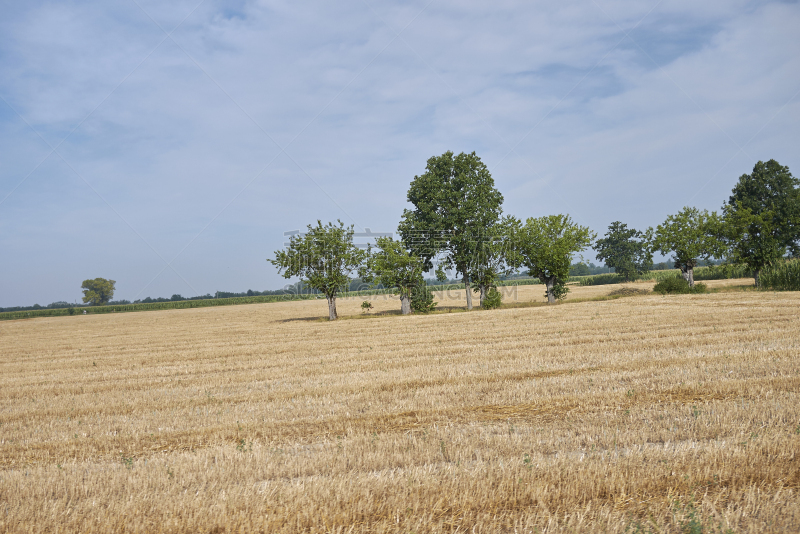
{"x": 762, "y": 217}
{"x": 690, "y": 235}
{"x": 392, "y": 266}
{"x": 455, "y": 202}
{"x": 493, "y": 299}
{"x": 98, "y": 292}
{"x": 366, "y": 306}
{"x": 676, "y": 285}
{"x": 127, "y": 461}
{"x": 496, "y": 255}
{"x": 601, "y": 280}
{"x": 783, "y": 276}
{"x": 711, "y": 272}
{"x": 579, "y": 269}
{"x": 546, "y": 245}
{"x": 772, "y": 188}
{"x": 324, "y": 258}
{"x": 626, "y": 250}
{"x": 722, "y": 272}
{"x": 694, "y": 523}
{"x": 422, "y": 298}
{"x": 156, "y": 306}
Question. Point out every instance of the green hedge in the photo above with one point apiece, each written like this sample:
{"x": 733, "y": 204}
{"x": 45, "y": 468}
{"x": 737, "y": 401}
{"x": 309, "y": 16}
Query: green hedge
{"x": 175, "y": 305}
{"x": 712, "y": 272}
{"x": 784, "y": 276}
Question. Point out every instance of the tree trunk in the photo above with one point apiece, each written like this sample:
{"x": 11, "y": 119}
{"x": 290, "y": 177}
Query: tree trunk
{"x": 332, "y": 308}
{"x": 688, "y": 274}
{"x": 405, "y": 304}
{"x": 469, "y": 292}
{"x": 549, "y": 282}
{"x": 756, "y": 274}
{"x": 483, "y": 295}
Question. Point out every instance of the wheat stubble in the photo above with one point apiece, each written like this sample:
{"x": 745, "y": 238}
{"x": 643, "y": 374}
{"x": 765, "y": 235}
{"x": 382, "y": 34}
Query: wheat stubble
{"x": 582, "y": 417}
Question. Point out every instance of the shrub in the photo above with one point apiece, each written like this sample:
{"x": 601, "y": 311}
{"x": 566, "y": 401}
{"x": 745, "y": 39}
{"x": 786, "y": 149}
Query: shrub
{"x": 784, "y": 276}
{"x": 493, "y": 299}
{"x": 366, "y": 306}
{"x": 678, "y": 286}
{"x": 601, "y": 280}
{"x": 422, "y": 299}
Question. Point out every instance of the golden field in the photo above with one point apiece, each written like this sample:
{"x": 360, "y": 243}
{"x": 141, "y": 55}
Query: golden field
{"x": 640, "y": 414}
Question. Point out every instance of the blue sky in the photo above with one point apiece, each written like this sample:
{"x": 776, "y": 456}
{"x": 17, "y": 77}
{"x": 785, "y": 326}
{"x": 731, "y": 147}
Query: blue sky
{"x": 168, "y": 147}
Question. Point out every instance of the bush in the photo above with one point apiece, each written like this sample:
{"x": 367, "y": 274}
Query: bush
{"x": 601, "y": 280}
{"x": 493, "y": 299}
{"x": 422, "y": 299}
{"x": 678, "y": 286}
{"x": 784, "y": 276}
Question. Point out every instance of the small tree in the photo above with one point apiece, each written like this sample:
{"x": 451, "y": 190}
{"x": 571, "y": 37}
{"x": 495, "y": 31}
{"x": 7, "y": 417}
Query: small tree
{"x": 495, "y": 255}
{"x": 422, "y": 298}
{"x": 625, "y": 249}
{"x": 762, "y": 217}
{"x": 393, "y": 267}
{"x": 546, "y": 245}
{"x": 690, "y": 235}
{"x": 98, "y": 292}
{"x": 324, "y": 259}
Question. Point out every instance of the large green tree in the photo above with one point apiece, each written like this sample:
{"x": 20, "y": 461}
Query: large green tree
{"x": 393, "y": 267}
{"x": 98, "y": 291}
{"x": 454, "y": 201}
{"x": 689, "y": 235}
{"x": 546, "y": 246}
{"x": 626, "y": 250}
{"x": 324, "y": 258}
{"x": 762, "y": 217}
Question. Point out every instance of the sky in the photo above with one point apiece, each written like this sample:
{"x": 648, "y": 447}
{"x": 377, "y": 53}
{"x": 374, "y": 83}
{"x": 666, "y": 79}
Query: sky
{"x": 169, "y": 145}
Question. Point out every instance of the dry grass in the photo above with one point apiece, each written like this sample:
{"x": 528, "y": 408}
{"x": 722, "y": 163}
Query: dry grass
{"x": 644, "y": 412}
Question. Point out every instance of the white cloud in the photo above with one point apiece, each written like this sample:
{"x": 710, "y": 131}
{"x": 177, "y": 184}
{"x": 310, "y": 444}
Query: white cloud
{"x": 605, "y": 127}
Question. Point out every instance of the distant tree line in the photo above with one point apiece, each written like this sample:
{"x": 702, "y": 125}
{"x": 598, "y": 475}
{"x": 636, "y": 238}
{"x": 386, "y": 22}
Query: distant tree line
{"x": 457, "y": 224}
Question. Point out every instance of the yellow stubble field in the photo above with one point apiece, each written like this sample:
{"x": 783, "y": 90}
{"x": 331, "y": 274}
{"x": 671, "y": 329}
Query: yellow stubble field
{"x": 640, "y": 414}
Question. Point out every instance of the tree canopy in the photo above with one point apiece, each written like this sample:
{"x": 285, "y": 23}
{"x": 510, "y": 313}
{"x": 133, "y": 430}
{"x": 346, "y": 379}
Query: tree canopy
{"x": 392, "y": 266}
{"x": 689, "y": 235}
{"x": 546, "y": 245}
{"x": 626, "y": 250}
{"x": 324, "y": 258}
{"x": 98, "y": 291}
{"x": 762, "y": 216}
{"x": 495, "y": 255}
{"x": 455, "y": 201}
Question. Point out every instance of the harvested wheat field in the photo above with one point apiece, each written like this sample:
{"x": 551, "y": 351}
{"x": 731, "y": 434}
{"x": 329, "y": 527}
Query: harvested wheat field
{"x": 639, "y": 414}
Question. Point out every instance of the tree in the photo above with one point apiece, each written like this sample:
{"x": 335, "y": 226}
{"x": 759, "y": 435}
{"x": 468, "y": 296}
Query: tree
{"x": 454, "y": 202}
{"x": 495, "y": 255}
{"x": 579, "y": 269}
{"x": 422, "y": 298}
{"x": 324, "y": 258}
{"x": 625, "y": 249}
{"x": 690, "y": 235}
{"x": 394, "y": 267}
{"x": 98, "y": 292}
{"x": 762, "y": 217}
{"x": 546, "y": 245}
